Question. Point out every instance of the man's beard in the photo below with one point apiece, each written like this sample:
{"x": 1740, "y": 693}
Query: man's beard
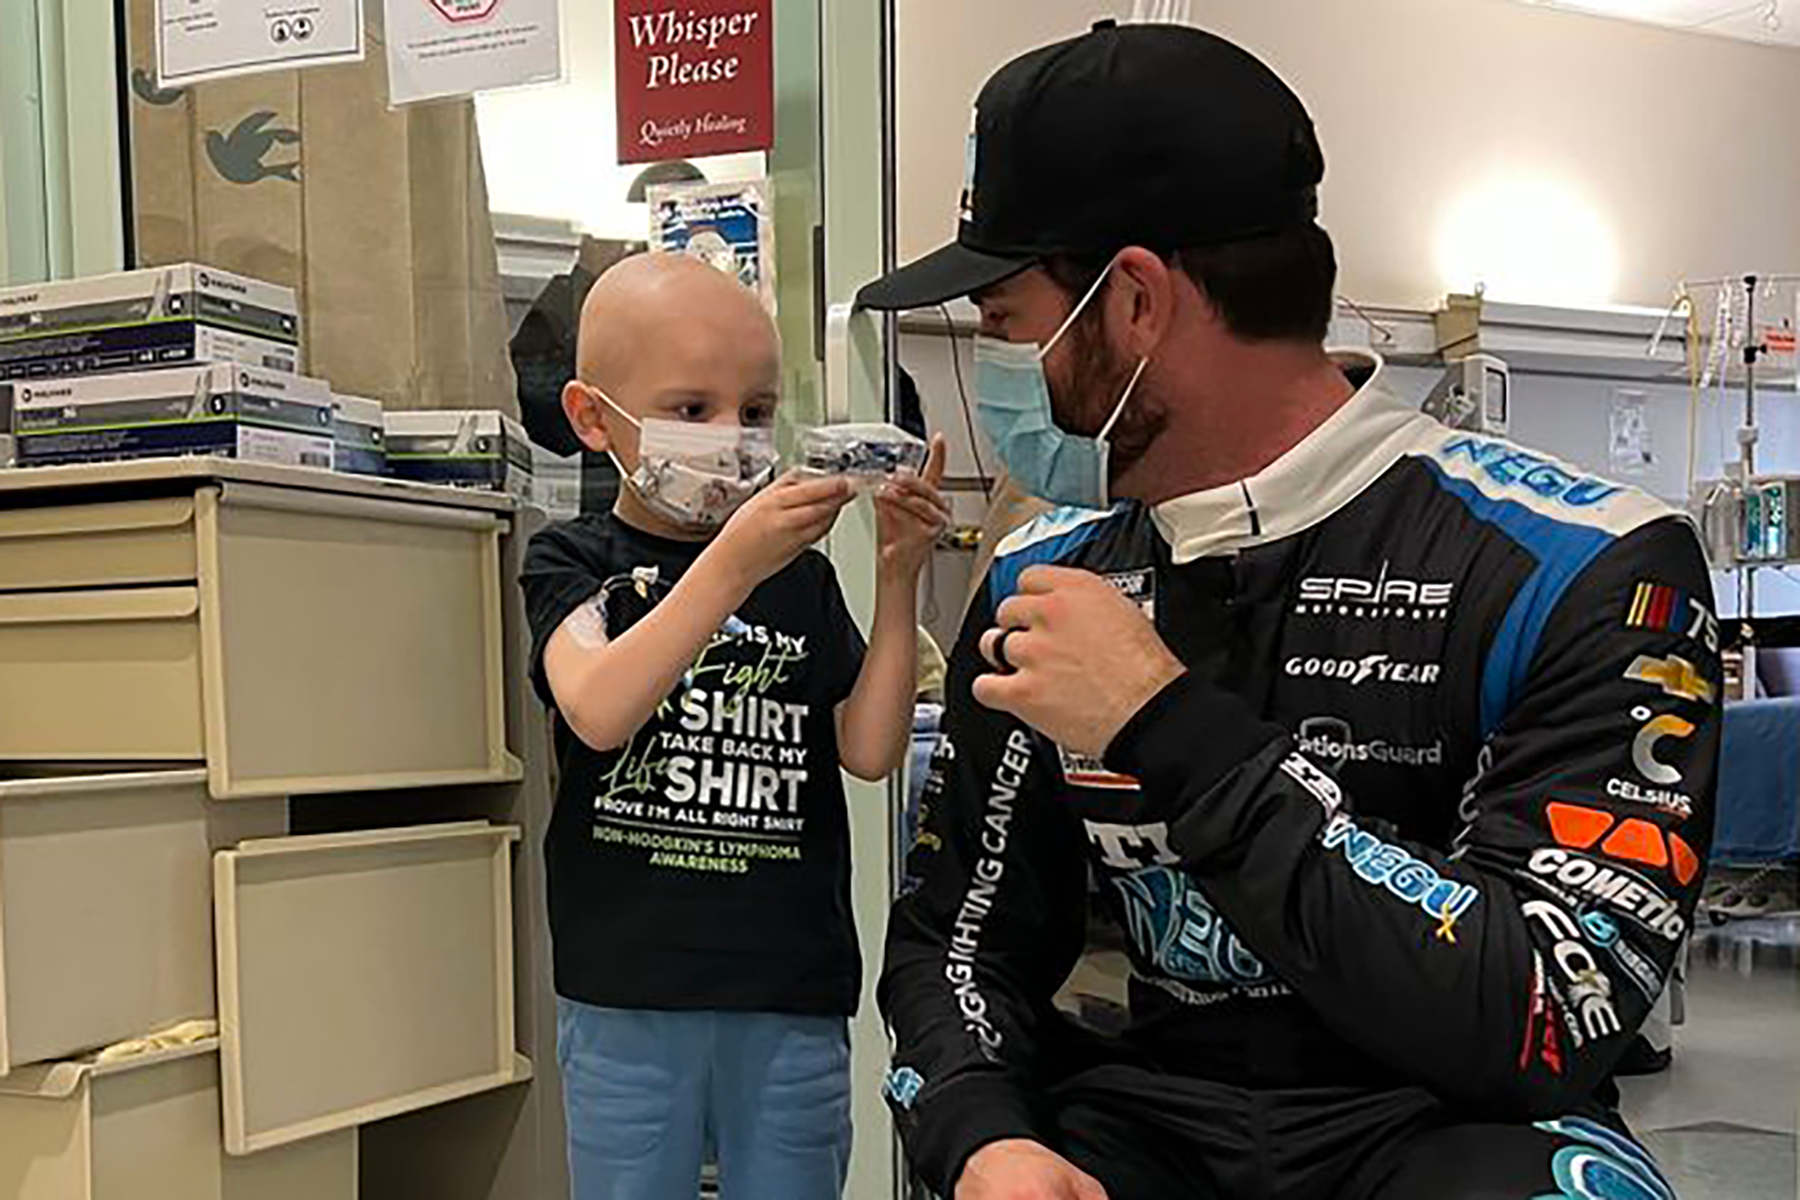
{"x": 1099, "y": 377}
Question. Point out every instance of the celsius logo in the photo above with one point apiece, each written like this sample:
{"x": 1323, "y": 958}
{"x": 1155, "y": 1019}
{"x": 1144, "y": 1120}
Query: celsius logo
{"x": 1357, "y": 671}
{"x": 1382, "y": 596}
{"x": 1643, "y": 746}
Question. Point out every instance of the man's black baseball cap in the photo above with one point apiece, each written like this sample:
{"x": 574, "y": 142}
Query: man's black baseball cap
{"x": 1161, "y": 136}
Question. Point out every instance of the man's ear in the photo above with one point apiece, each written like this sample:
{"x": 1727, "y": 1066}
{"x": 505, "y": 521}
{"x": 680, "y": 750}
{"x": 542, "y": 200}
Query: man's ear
{"x": 583, "y": 409}
{"x": 1144, "y": 293}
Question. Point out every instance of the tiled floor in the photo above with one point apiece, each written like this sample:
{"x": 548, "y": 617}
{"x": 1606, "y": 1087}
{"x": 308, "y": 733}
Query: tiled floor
{"x": 1722, "y": 1119}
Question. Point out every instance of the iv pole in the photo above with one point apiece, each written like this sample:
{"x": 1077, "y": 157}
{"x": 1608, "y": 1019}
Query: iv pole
{"x": 1748, "y": 435}
{"x": 1747, "y": 439}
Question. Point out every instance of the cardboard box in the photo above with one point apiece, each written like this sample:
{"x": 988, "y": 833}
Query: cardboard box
{"x": 7, "y": 451}
{"x": 221, "y": 409}
{"x": 471, "y": 449}
{"x": 138, "y": 320}
{"x": 377, "y": 215}
{"x": 358, "y": 435}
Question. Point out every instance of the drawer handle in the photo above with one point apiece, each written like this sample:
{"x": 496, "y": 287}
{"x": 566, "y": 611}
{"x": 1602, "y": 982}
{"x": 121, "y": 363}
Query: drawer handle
{"x": 90, "y": 519}
{"x": 39, "y": 786}
{"x": 121, "y": 604}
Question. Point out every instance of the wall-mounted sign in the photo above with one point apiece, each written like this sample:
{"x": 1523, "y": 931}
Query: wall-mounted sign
{"x": 438, "y": 48}
{"x": 197, "y": 40}
{"x": 694, "y": 79}
{"x": 730, "y": 226}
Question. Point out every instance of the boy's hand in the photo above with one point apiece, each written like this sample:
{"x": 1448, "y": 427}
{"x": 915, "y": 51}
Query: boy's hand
{"x": 910, "y": 513}
{"x": 776, "y": 524}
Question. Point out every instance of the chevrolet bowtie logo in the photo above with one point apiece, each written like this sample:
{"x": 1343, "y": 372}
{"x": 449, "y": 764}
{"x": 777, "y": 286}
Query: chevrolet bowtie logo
{"x": 1674, "y": 675}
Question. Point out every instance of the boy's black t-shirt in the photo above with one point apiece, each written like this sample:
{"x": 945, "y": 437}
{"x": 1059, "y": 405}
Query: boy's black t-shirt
{"x": 707, "y": 865}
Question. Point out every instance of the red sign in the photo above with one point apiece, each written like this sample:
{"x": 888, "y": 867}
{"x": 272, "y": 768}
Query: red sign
{"x": 694, "y": 79}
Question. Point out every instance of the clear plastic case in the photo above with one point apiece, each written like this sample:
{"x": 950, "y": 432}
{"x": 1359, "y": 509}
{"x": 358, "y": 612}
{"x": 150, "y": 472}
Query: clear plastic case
{"x": 865, "y": 454}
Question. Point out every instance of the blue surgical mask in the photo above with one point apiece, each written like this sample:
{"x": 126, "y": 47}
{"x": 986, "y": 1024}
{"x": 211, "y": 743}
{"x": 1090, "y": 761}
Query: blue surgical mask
{"x": 1012, "y": 401}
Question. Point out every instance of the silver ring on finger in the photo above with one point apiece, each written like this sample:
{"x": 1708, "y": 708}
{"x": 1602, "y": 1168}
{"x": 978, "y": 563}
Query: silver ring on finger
{"x": 1001, "y": 662}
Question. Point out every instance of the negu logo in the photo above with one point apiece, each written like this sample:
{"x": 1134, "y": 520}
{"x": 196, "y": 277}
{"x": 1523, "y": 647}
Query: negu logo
{"x": 1508, "y": 465}
{"x": 238, "y": 156}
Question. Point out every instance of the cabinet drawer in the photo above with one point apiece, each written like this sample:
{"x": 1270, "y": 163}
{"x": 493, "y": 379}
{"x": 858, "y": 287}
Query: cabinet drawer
{"x": 349, "y": 644}
{"x": 328, "y": 643}
{"x": 125, "y": 543}
{"x": 148, "y": 1129}
{"x": 101, "y": 676}
{"x": 106, "y": 905}
{"x": 362, "y": 976}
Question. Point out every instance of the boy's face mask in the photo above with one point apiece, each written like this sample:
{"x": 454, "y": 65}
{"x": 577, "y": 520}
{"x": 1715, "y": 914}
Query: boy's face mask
{"x": 696, "y": 474}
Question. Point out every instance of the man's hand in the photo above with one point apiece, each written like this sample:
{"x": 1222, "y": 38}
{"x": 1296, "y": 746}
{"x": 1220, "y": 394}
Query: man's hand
{"x": 1073, "y": 659}
{"x": 1023, "y": 1170}
{"x": 910, "y": 513}
{"x": 776, "y": 524}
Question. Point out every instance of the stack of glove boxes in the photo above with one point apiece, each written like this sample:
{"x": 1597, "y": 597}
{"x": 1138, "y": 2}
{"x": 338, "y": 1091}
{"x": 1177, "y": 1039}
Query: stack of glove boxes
{"x": 166, "y": 361}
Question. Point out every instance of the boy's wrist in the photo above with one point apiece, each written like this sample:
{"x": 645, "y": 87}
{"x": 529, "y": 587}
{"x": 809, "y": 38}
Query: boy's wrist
{"x": 889, "y": 573}
{"x": 718, "y": 568}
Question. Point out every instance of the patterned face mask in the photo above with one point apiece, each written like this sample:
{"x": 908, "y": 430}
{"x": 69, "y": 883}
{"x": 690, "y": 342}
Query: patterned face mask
{"x": 696, "y": 474}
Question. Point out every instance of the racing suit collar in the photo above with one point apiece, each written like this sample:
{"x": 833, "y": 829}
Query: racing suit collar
{"x": 1329, "y": 468}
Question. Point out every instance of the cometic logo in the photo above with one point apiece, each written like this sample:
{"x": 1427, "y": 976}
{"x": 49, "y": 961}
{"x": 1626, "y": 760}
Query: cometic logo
{"x": 1618, "y": 887}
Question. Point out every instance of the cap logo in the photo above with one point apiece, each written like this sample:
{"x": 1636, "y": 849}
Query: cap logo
{"x": 967, "y": 212}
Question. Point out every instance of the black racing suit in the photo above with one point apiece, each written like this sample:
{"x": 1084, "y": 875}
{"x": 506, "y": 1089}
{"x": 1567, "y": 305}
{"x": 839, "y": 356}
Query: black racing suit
{"x": 1401, "y": 862}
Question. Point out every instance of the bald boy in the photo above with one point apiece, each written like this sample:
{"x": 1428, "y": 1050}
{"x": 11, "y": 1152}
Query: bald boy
{"x": 708, "y": 683}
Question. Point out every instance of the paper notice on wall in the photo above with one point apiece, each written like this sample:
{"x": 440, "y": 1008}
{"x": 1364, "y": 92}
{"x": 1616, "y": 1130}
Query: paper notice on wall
{"x": 728, "y": 225}
{"x": 1632, "y": 452}
{"x": 197, "y": 40}
{"x": 439, "y": 48}
{"x": 1781, "y": 347}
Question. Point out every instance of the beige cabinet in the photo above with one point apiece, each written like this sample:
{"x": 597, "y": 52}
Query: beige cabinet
{"x": 185, "y": 644}
{"x": 106, "y": 905}
{"x": 362, "y": 976}
{"x": 295, "y": 639}
{"x": 148, "y": 1129}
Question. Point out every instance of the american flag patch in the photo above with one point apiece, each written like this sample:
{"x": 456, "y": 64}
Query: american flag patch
{"x": 1080, "y": 771}
{"x": 1658, "y": 606}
